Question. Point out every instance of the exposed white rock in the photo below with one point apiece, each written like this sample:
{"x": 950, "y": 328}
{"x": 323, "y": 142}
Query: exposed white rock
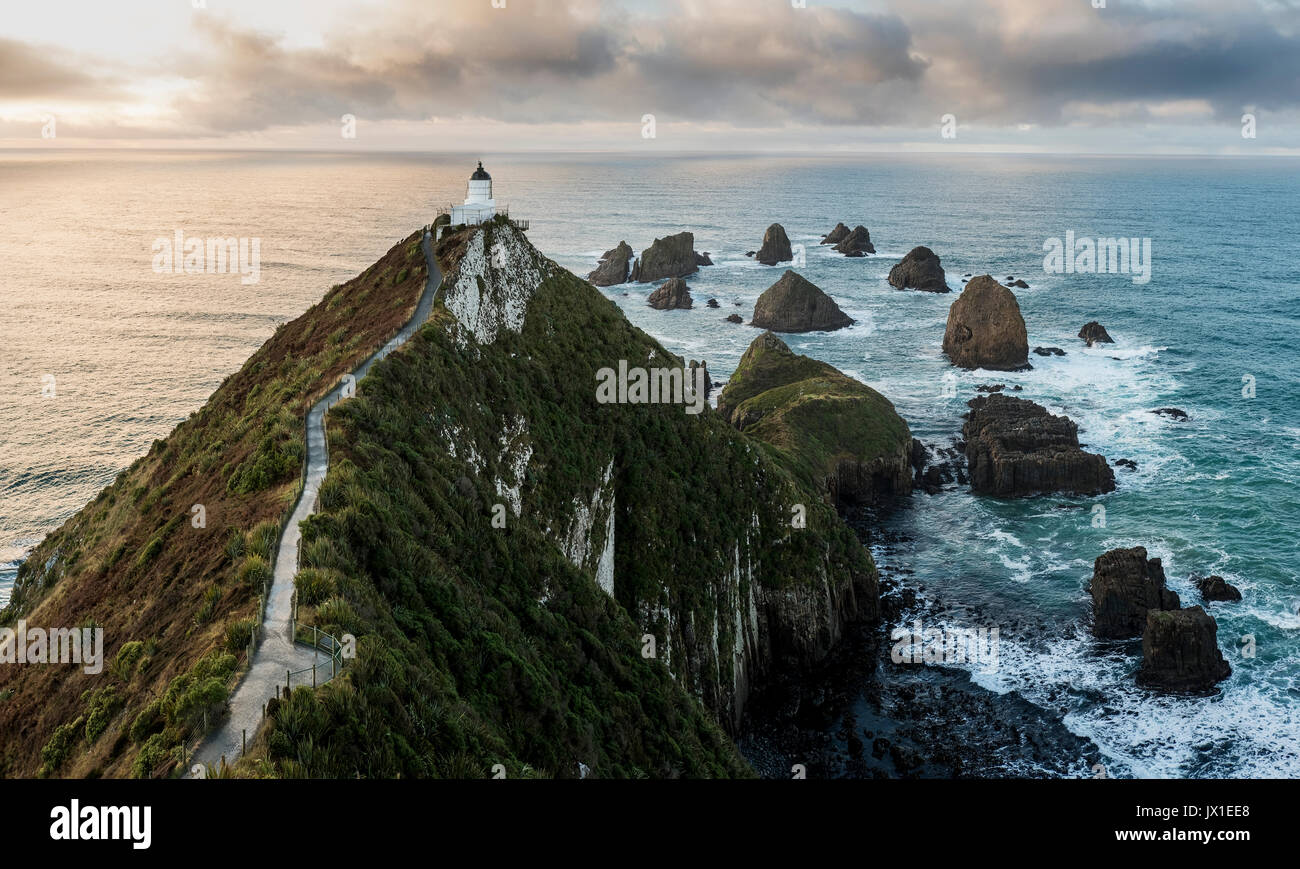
{"x": 489, "y": 289}
{"x": 516, "y": 450}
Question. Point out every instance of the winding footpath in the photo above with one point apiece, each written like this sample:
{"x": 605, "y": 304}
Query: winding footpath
{"x": 277, "y": 653}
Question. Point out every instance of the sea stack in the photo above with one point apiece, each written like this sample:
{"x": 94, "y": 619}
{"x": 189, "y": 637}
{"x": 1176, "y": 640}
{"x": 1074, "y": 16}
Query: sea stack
{"x": 672, "y": 256}
{"x": 1016, "y": 448}
{"x": 614, "y": 267}
{"x": 795, "y": 304}
{"x": 673, "y": 293}
{"x": 1180, "y": 651}
{"x": 856, "y": 243}
{"x": 1125, "y": 586}
{"x": 775, "y": 248}
{"x": 919, "y": 270}
{"x": 985, "y": 329}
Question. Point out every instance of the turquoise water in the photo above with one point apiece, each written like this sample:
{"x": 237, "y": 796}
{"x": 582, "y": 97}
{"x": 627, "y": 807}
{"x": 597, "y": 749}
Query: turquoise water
{"x": 1214, "y": 494}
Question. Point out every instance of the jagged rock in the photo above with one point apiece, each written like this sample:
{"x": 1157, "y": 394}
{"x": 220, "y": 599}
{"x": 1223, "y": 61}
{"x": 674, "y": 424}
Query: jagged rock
{"x": 1173, "y": 413}
{"x": 1216, "y": 588}
{"x": 985, "y": 329}
{"x": 1128, "y": 464}
{"x": 1015, "y": 447}
{"x": 750, "y": 253}
{"x": 672, "y": 256}
{"x": 836, "y": 235}
{"x": 775, "y": 248}
{"x": 735, "y": 318}
{"x": 795, "y": 304}
{"x": 712, "y": 303}
{"x": 837, "y": 431}
{"x": 919, "y": 270}
{"x": 1020, "y": 285}
{"x": 702, "y": 259}
{"x": 856, "y": 243}
{"x": 708, "y": 379}
{"x": 1180, "y": 651}
{"x": 614, "y": 267}
{"x": 1049, "y": 351}
{"x": 990, "y": 387}
{"x": 1125, "y": 586}
{"x": 671, "y": 294}
{"x": 947, "y": 469}
{"x": 1095, "y": 333}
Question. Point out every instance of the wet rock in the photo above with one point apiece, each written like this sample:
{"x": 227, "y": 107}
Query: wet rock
{"x": 1126, "y": 585}
{"x": 1095, "y": 333}
{"x": 735, "y": 318}
{"x": 671, "y": 294}
{"x": 1180, "y": 651}
{"x": 775, "y": 248}
{"x": 1216, "y": 588}
{"x": 712, "y": 303}
{"x": 1127, "y": 464}
{"x": 1049, "y": 351}
{"x": 1016, "y": 448}
{"x": 991, "y": 387}
{"x": 614, "y": 267}
{"x": 1171, "y": 412}
{"x": 795, "y": 304}
{"x": 1019, "y": 284}
{"x": 836, "y": 235}
{"x": 702, "y": 259}
{"x": 672, "y": 256}
{"x": 985, "y": 328}
{"x": 856, "y": 243}
{"x": 919, "y": 270}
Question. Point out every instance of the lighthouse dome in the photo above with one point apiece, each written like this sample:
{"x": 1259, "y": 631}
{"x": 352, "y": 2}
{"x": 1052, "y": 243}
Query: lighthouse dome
{"x": 480, "y": 174}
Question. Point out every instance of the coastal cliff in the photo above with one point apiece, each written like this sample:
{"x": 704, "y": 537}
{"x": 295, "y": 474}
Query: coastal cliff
{"x": 535, "y": 579}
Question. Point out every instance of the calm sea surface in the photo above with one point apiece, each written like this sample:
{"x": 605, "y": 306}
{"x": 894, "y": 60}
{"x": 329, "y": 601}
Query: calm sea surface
{"x": 101, "y": 355}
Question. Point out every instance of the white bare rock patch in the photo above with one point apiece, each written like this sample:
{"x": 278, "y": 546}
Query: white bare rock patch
{"x": 492, "y": 284}
{"x": 516, "y": 450}
{"x": 579, "y": 544}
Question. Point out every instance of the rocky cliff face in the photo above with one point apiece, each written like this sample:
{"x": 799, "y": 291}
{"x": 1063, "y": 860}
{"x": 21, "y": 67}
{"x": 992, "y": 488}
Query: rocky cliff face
{"x": 1180, "y": 651}
{"x": 673, "y": 293}
{"x": 840, "y": 435}
{"x": 1015, "y": 447}
{"x": 985, "y": 328}
{"x": 796, "y": 304}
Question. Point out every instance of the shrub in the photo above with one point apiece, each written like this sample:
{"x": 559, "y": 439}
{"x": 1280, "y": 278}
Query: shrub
{"x": 254, "y": 572}
{"x": 239, "y": 635}
{"x": 126, "y": 659}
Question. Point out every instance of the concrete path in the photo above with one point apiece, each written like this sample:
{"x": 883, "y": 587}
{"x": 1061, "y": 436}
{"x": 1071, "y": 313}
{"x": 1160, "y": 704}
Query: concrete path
{"x": 277, "y": 653}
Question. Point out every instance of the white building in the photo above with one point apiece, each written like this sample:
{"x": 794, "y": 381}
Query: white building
{"x": 479, "y": 204}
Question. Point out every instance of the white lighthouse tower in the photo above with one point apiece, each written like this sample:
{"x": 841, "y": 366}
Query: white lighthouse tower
{"x": 479, "y": 205}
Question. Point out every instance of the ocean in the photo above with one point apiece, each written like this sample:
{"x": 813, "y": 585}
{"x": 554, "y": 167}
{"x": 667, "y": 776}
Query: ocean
{"x": 102, "y": 355}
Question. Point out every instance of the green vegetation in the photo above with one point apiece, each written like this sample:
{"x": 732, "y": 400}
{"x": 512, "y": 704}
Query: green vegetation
{"x": 481, "y": 646}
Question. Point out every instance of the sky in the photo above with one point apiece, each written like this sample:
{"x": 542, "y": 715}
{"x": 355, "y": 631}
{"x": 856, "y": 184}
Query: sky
{"x": 1133, "y": 76}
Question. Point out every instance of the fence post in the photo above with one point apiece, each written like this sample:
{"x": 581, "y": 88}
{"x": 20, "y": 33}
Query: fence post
{"x": 245, "y": 749}
{"x": 288, "y": 675}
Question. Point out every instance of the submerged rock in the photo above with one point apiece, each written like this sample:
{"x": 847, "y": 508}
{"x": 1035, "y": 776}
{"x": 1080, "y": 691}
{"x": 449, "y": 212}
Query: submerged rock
{"x": 985, "y": 329}
{"x": 775, "y": 248}
{"x": 1173, "y": 413}
{"x": 671, "y": 294}
{"x": 919, "y": 270}
{"x": 1095, "y": 333}
{"x": 672, "y": 256}
{"x": 856, "y": 243}
{"x": 735, "y": 318}
{"x": 1019, "y": 284}
{"x": 614, "y": 267}
{"x": 1015, "y": 448}
{"x": 1049, "y": 351}
{"x": 1125, "y": 586}
{"x": 712, "y": 303}
{"x": 1180, "y": 651}
{"x": 1216, "y": 588}
{"x": 795, "y": 304}
{"x": 839, "y": 433}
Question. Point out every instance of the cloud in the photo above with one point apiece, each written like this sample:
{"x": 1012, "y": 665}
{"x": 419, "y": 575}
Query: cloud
{"x": 1015, "y": 64}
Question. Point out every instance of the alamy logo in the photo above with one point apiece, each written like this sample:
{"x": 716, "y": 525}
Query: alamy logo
{"x": 919, "y": 645}
{"x": 653, "y": 386}
{"x": 75, "y": 821}
{"x": 214, "y": 256}
{"x": 24, "y": 645}
{"x": 1128, "y": 256}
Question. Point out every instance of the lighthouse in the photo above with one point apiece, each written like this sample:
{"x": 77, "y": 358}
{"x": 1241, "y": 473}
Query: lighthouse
{"x": 479, "y": 204}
